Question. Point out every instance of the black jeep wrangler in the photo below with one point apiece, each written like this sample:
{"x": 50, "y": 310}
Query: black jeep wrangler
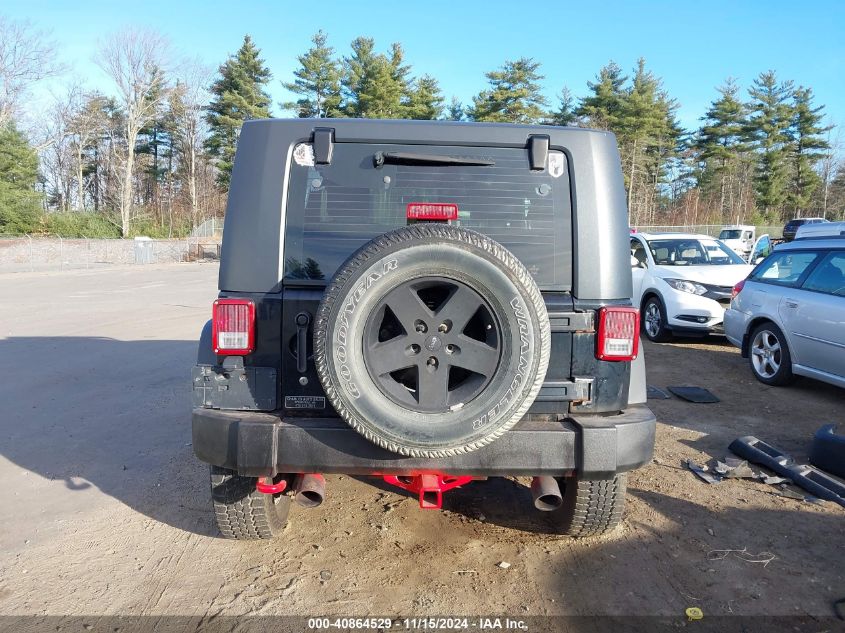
{"x": 426, "y": 302}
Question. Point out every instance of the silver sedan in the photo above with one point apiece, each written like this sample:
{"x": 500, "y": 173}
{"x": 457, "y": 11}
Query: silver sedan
{"x": 788, "y": 316}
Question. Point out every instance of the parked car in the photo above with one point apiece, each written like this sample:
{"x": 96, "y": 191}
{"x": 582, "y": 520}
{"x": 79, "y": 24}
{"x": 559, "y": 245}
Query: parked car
{"x": 791, "y": 227}
{"x": 788, "y": 317}
{"x": 821, "y": 230}
{"x": 683, "y": 282}
{"x": 740, "y": 238}
{"x": 428, "y": 303}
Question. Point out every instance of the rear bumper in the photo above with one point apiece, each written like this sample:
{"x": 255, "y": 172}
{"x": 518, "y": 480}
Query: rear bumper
{"x": 265, "y": 444}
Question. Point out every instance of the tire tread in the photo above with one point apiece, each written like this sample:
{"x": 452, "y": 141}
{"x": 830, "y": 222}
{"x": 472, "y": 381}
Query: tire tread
{"x": 592, "y": 507}
{"x": 242, "y": 513}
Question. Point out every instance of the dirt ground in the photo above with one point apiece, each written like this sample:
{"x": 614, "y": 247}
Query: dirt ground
{"x": 106, "y": 510}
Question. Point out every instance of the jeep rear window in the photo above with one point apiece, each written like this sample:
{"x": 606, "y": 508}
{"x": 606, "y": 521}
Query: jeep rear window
{"x": 334, "y": 209}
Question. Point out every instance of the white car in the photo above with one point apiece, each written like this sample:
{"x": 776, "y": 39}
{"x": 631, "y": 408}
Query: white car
{"x": 683, "y": 283}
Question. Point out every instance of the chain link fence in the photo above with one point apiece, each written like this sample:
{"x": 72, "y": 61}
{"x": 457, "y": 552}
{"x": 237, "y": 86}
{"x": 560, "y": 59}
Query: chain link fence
{"x": 27, "y": 253}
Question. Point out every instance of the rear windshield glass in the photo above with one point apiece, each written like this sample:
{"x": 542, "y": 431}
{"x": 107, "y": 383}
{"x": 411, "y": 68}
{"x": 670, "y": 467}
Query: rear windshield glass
{"x": 334, "y": 209}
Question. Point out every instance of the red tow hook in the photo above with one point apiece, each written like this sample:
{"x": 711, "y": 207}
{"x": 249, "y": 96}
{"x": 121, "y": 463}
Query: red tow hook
{"x": 430, "y": 488}
{"x": 268, "y": 487}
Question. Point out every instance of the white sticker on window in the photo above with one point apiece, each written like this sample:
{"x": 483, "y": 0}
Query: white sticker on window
{"x": 555, "y": 164}
{"x": 303, "y": 155}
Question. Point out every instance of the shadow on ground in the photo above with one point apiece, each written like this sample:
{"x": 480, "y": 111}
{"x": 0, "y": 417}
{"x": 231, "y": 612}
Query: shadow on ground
{"x": 110, "y": 414}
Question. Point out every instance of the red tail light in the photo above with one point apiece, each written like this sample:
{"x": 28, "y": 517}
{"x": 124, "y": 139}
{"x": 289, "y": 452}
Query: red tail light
{"x": 432, "y": 211}
{"x": 737, "y": 288}
{"x": 233, "y": 326}
{"x": 619, "y": 333}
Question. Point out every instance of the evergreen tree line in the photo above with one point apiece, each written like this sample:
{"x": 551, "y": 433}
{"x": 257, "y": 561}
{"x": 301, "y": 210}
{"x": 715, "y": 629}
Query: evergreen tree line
{"x": 154, "y": 156}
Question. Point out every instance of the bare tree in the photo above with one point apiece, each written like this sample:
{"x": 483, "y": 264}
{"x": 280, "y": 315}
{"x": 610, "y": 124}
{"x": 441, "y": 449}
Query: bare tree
{"x": 52, "y": 142}
{"x": 134, "y": 59}
{"x": 187, "y": 102}
{"x": 86, "y": 124}
{"x": 26, "y": 56}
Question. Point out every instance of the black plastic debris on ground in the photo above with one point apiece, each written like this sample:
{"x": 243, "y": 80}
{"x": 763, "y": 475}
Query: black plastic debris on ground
{"x": 811, "y": 479}
{"x": 828, "y": 451}
{"x": 655, "y": 393}
{"x": 694, "y": 394}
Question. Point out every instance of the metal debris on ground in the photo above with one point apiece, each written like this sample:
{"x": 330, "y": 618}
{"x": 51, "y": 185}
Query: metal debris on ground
{"x": 703, "y": 473}
{"x": 774, "y": 480}
{"x": 503, "y": 565}
{"x": 733, "y": 468}
{"x": 764, "y": 558}
{"x": 694, "y": 394}
{"x": 656, "y": 393}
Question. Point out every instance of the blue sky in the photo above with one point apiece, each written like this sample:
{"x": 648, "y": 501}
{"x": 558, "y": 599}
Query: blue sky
{"x": 692, "y": 46}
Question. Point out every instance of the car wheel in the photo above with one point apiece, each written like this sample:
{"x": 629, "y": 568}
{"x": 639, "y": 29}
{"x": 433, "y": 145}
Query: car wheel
{"x": 432, "y": 341}
{"x": 654, "y": 321}
{"x": 768, "y": 355}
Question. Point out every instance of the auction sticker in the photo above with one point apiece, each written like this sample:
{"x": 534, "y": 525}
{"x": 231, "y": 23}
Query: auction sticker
{"x": 305, "y": 402}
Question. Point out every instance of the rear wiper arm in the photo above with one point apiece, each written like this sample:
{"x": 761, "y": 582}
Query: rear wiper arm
{"x": 410, "y": 158}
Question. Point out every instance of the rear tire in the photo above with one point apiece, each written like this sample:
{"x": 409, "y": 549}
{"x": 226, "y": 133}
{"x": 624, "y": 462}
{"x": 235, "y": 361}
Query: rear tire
{"x": 241, "y": 511}
{"x": 590, "y": 507}
{"x": 768, "y": 355}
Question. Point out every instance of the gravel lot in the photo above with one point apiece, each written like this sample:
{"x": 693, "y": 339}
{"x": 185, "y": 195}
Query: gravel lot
{"x": 107, "y": 509}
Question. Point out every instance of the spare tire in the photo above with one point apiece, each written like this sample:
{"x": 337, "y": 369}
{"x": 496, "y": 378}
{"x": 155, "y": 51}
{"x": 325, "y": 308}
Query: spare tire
{"x": 432, "y": 340}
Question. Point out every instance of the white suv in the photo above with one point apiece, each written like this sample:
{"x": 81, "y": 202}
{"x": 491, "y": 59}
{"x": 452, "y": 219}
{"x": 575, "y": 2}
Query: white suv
{"x": 683, "y": 282}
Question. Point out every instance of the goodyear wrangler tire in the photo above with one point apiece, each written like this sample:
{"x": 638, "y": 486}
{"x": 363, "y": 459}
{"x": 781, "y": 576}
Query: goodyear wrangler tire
{"x": 432, "y": 340}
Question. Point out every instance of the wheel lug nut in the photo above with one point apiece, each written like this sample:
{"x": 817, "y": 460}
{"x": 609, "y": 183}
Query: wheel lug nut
{"x": 420, "y": 327}
{"x": 432, "y": 362}
{"x": 445, "y": 326}
{"x": 450, "y": 349}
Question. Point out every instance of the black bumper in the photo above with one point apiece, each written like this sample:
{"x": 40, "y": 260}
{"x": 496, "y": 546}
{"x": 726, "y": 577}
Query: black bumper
{"x": 265, "y": 444}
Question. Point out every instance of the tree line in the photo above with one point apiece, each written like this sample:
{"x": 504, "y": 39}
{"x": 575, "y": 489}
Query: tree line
{"x": 154, "y": 154}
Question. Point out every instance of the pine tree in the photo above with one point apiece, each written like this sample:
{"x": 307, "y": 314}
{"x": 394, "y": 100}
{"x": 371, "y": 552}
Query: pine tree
{"x": 317, "y": 81}
{"x": 807, "y": 145}
{"x": 603, "y": 108}
{"x": 565, "y": 114}
{"x": 514, "y": 95}
{"x": 771, "y": 116}
{"x": 18, "y": 175}
{"x": 375, "y": 86}
{"x": 455, "y": 111}
{"x": 721, "y": 143}
{"x": 648, "y": 136}
{"x": 239, "y": 95}
{"x": 425, "y": 100}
